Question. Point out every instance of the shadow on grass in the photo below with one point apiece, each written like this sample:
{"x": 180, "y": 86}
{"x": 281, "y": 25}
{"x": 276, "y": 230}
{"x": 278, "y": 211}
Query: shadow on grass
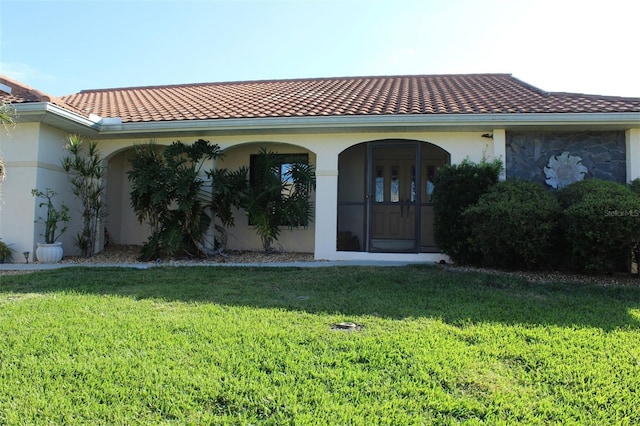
{"x": 393, "y": 292}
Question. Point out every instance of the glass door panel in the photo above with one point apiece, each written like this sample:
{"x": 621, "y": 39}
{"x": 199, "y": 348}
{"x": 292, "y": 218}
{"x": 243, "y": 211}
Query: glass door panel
{"x": 429, "y": 168}
{"x": 394, "y": 202}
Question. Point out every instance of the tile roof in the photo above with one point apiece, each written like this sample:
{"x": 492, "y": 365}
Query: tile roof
{"x": 422, "y": 94}
{"x": 21, "y": 93}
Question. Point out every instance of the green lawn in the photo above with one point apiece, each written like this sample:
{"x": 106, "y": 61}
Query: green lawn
{"x": 220, "y": 345}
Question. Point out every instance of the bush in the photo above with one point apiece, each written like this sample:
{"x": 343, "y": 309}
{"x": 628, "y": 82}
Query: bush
{"x": 169, "y": 194}
{"x": 5, "y": 252}
{"x": 456, "y": 188}
{"x": 601, "y": 225}
{"x": 634, "y": 186}
{"x": 514, "y": 225}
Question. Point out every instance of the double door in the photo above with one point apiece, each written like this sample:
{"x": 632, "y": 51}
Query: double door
{"x": 399, "y": 197}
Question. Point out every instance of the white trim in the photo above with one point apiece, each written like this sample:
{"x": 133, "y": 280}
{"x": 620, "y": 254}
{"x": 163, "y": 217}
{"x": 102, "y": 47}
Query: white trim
{"x": 326, "y": 173}
{"x": 333, "y": 123}
{"x": 632, "y": 142}
{"x": 113, "y": 126}
{"x": 500, "y": 150}
{"x": 56, "y": 116}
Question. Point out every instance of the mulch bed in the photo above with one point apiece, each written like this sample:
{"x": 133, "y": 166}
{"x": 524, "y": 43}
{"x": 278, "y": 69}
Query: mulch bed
{"x": 119, "y": 254}
{"x": 130, "y": 253}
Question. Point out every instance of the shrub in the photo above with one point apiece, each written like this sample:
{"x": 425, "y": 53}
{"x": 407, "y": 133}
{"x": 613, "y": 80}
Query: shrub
{"x": 456, "y": 188}
{"x": 601, "y": 225}
{"x": 5, "y": 252}
{"x": 634, "y": 186}
{"x": 274, "y": 200}
{"x": 168, "y": 193}
{"x": 514, "y": 225}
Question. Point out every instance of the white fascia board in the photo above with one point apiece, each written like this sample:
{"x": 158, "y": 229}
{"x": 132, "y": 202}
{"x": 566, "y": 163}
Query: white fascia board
{"x": 52, "y": 114}
{"x": 47, "y": 112}
{"x": 334, "y": 123}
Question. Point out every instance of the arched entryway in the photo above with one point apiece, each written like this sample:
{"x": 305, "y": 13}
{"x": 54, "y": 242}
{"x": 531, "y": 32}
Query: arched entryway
{"x": 122, "y": 225}
{"x": 384, "y": 196}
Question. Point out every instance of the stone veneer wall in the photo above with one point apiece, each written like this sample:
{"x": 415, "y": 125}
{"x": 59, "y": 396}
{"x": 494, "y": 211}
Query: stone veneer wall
{"x": 602, "y": 153}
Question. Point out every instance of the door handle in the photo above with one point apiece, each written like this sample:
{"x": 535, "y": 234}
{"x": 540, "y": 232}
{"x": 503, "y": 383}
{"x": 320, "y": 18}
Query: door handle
{"x": 402, "y": 207}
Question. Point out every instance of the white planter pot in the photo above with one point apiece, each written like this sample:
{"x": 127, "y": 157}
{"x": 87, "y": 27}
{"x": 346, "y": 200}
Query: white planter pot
{"x": 49, "y": 253}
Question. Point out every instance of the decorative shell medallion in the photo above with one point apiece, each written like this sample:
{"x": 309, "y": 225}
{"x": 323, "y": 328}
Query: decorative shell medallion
{"x": 564, "y": 169}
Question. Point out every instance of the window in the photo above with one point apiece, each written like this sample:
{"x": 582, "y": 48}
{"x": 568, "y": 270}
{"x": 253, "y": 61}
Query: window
{"x": 281, "y": 164}
{"x": 280, "y": 185}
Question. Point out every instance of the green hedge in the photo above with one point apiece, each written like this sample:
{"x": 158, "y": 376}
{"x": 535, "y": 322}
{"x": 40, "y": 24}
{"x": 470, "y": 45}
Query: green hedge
{"x": 601, "y": 225}
{"x": 590, "y": 226}
{"x": 634, "y": 186}
{"x": 456, "y": 188}
{"x": 514, "y": 225}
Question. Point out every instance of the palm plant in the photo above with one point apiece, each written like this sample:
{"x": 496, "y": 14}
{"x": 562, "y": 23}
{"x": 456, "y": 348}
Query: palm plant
{"x": 168, "y": 193}
{"x": 6, "y": 120}
{"x": 279, "y": 196}
{"x": 228, "y": 191}
{"x": 57, "y": 217}
{"x": 85, "y": 172}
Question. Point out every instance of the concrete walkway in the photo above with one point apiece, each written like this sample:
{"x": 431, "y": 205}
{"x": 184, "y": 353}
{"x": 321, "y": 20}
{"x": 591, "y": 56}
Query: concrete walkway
{"x": 148, "y": 265}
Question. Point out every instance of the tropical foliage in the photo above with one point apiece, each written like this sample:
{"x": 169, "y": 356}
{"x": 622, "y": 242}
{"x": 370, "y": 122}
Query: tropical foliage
{"x": 6, "y": 120}
{"x": 7, "y": 115}
{"x": 57, "y": 217}
{"x": 228, "y": 193}
{"x": 85, "y": 171}
{"x": 170, "y": 194}
{"x": 279, "y": 196}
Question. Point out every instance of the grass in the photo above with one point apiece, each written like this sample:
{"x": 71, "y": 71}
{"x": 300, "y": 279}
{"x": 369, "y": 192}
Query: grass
{"x": 222, "y": 345}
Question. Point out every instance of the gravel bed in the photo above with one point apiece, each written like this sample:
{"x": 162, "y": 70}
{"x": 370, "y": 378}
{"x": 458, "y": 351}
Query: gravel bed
{"x": 130, "y": 254}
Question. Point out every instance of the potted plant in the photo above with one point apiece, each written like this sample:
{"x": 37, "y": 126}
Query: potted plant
{"x": 54, "y": 226}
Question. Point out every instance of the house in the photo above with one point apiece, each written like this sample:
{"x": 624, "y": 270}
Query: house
{"x": 376, "y": 142}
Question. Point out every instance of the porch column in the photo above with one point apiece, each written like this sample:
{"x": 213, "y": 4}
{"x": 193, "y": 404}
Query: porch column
{"x": 500, "y": 150}
{"x": 326, "y": 218}
{"x": 632, "y": 141}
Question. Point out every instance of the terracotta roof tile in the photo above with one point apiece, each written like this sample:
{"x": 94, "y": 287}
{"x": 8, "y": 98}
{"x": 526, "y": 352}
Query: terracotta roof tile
{"x": 384, "y": 95}
{"x": 21, "y": 93}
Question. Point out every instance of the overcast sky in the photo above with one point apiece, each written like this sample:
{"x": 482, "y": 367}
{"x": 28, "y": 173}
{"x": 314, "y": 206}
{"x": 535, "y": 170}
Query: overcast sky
{"x": 557, "y": 45}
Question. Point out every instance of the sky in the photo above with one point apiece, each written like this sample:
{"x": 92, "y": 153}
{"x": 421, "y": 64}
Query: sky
{"x": 63, "y": 47}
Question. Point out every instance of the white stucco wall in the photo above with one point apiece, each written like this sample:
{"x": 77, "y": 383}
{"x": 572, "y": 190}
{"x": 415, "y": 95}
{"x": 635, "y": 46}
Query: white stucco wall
{"x": 324, "y": 150}
{"x": 500, "y": 149}
{"x": 33, "y": 151}
{"x": 32, "y": 154}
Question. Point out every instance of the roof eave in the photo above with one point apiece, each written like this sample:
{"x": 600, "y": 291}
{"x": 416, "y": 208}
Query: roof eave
{"x": 55, "y": 116}
{"x": 408, "y": 122}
